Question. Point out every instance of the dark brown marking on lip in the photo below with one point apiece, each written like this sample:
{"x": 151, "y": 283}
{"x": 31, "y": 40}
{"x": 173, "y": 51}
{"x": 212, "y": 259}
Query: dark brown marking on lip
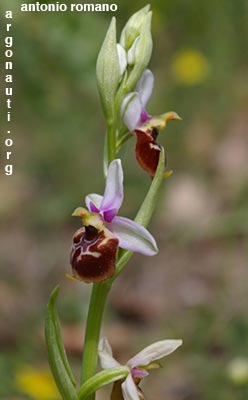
{"x": 93, "y": 260}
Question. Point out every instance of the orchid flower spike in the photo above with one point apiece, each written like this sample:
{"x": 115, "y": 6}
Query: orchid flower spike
{"x": 139, "y": 365}
{"x": 146, "y": 127}
{"x": 95, "y": 245}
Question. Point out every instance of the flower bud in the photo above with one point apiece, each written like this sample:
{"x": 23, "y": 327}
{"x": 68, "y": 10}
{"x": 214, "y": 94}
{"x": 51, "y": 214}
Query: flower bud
{"x": 133, "y": 27}
{"x": 93, "y": 254}
{"x": 140, "y": 53}
{"x": 108, "y": 71}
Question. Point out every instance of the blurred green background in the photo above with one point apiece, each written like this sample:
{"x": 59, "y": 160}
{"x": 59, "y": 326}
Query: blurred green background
{"x": 196, "y": 288}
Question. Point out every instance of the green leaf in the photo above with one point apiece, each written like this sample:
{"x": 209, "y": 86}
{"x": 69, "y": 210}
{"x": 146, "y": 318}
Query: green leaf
{"x": 145, "y": 212}
{"x": 101, "y": 379}
{"x": 108, "y": 72}
{"x": 56, "y": 353}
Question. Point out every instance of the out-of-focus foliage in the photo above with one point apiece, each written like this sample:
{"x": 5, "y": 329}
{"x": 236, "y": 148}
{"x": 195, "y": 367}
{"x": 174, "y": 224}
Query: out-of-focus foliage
{"x": 197, "y": 286}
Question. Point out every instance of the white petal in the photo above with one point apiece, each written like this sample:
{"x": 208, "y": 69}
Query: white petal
{"x": 130, "y": 110}
{"x": 105, "y": 355}
{"x": 94, "y": 198}
{"x": 122, "y": 55}
{"x": 145, "y": 86}
{"x": 154, "y": 352}
{"x": 129, "y": 390}
{"x": 132, "y": 236}
{"x": 113, "y": 194}
{"x": 131, "y": 52}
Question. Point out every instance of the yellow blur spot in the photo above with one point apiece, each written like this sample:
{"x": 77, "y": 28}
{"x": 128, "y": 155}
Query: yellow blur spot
{"x": 237, "y": 370}
{"x": 190, "y": 67}
{"x": 36, "y": 383}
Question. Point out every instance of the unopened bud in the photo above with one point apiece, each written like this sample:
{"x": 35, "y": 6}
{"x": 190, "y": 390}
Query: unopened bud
{"x": 139, "y": 55}
{"x": 108, "y": 71}
{"x": 133, "y": 27}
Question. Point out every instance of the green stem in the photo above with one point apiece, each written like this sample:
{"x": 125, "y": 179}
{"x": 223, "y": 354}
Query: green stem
{"x": 101, "y": 379}
{"x": 124, "y": 138}
{"x": 93, "y": 327}
{"x": 111, "y": 141}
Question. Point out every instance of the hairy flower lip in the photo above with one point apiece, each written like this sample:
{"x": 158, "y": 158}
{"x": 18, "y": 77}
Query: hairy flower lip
{"x": 148, "y": 150}
{"x": 91, "y": 233}
{"x": 94, "y": 261}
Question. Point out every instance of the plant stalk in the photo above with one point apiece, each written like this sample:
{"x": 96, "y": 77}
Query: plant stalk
{"x": 93, "y": 327}
{"x": 111, "y": 141}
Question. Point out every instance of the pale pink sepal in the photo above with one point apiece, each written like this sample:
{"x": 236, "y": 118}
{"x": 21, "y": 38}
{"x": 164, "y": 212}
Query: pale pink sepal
{"x": 145, "y": 86}
{"x": 105, "y": 355}
{"x": 133, "y": 236}
{"x": 154, "y": 352}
